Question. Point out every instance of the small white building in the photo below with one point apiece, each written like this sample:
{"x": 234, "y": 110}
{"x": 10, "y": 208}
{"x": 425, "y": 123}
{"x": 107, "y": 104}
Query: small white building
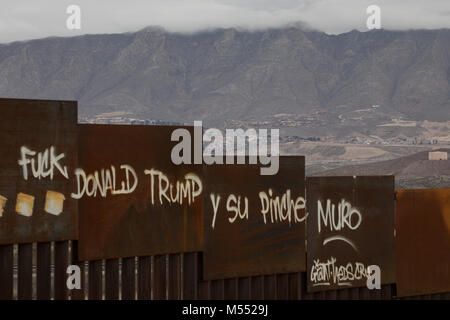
{"x": 437, "y": 155}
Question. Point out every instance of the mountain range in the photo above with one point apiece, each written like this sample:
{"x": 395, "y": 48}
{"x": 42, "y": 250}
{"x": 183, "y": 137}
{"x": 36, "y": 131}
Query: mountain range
{"x": 230, "y": 74}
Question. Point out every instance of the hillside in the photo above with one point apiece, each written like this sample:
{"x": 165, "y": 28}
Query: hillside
{"x": 225, "y": 75}
{"x": 412, "y": 171}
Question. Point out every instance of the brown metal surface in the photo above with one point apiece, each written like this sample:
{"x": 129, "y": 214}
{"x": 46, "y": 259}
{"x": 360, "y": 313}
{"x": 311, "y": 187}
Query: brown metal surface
{"x": 244, "y": 244}
{"x": 43, "y": 271}
{"x": 357, "y": 234}
{"x": 6, "y": 272}
{"x": 190, "y": 276}
{"x": 423, "y": 241}
{"x": 174, "y": 277}
{"x": 144, "y": 278}
{"x": 142, "y": 222}
{"x": 159, "y": 271}
{"x": 112, "y": 279}
{"x": 128, "y": 284}
{"x": 95, "y": 280}
{"x": 25, "y": 272}
{"x": 37, "y": 125}
{"x": 61, "y": 261}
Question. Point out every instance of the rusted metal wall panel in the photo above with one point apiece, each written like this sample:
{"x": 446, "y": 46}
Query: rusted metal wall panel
{"x": 6, "y": 272}
{"x": 350, "y": 226}
{"x": 256, "y": 241}
{"x": 38, "y": 144}
{"x": 423, "y": 241}
{"x": 254, "y": 256}
{"x": 61, "y": 262}
{"x": 25, "y": 272}
{"x": 145, "y": 208}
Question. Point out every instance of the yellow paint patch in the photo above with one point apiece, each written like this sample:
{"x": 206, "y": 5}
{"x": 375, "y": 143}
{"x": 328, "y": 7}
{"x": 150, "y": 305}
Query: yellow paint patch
{"x": 24, "y": 204}
{"x": 446, "y": 211}
{"x": 2, "y": 205}
{"x": 54, "y": 202}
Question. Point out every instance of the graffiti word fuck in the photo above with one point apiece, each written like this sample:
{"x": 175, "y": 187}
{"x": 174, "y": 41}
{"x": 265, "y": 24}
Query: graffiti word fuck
{"x": 42, "y": 164}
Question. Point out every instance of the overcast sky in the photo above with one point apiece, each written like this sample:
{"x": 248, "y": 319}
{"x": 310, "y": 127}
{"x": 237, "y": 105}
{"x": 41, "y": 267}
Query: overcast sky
{"x": 29, "y": 19}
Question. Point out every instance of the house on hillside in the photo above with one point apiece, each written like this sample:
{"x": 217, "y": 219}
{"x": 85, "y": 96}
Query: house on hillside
{"x": 437, "y": 155}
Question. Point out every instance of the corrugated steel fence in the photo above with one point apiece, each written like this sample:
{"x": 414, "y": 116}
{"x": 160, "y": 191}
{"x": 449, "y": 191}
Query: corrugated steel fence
{"x": 144, "y": 243}
{"x": 174, "y": 276}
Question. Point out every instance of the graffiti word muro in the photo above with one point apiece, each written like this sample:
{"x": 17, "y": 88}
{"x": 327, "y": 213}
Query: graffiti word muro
{"x": 328, "y": 272}
{"x": 42, "y": 164}
{"x": 281, "y": 209}
{"x": 338, "y": 220}
{"x": 235, "y": 145}
{"x": 100, "y": 182}
{"x": 187, "y": 190}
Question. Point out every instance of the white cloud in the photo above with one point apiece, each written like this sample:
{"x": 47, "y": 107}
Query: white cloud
{"x": 27, "y": 19}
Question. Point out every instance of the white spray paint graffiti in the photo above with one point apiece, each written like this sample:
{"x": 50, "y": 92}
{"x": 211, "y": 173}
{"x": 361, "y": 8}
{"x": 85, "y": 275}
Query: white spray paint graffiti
{"x": 189, "y": 189}
{"x": 345, "y": 213}
{"x": 233, "y": 205}
{"x": 281, "y": 209}
{"x": 344, "y": 219}
{"x": 274, "y": 209}
{"x": 236, "y": 207}
{"x": 42, "y": 166}
{"x": 101, "y": 182}
{"x": 215, "y": 203}
{"x": 329, "y": 272}
{"x": 328, "y": 217}
{"x": 341, "y": 238}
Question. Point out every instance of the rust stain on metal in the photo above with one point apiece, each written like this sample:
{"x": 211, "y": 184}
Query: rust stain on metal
{"x": 423, "y": 241}
{"x": 38, "y": 144}
{"x": 350, "y": 227}
{"x": 133, "y": 200}
{"x": 254, "y": 224}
